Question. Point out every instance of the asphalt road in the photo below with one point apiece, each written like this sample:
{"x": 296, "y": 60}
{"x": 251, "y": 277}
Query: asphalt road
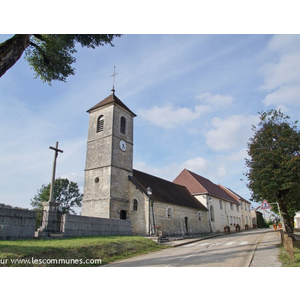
{"x": 234, "y": 250}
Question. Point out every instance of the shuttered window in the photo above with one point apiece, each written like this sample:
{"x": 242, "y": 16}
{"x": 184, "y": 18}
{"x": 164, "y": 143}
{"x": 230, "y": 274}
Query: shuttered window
{"x": 100, "y": 123}
{"x": 123, "y": 125}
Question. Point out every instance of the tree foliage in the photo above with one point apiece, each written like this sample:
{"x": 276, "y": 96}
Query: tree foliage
{"x": 274, "y": 164}
{"x": 51, "y": 56}
{"x": 66, "y": 193}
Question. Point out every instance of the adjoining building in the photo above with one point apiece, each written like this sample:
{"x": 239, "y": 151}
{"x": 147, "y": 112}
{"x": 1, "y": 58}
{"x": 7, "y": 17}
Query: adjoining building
{"x": 245, "y": 208}
{"x": 224, "y": 207}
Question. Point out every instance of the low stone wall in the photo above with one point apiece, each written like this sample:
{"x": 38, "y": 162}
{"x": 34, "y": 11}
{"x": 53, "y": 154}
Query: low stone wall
{"x": 17, "y": 223}
{"x": 288, "y": 244}
{"x": 73, "y": 225}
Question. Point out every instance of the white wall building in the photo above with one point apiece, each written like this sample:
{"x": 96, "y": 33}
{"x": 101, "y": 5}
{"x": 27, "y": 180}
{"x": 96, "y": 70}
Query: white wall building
{"x": 223, "y": 208}
{"x": 245, "y": 209}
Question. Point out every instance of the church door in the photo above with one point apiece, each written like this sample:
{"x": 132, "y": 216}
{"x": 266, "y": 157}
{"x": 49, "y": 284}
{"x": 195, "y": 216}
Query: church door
{"x": 123, "y": 215}
{"x": 186, "y": 225}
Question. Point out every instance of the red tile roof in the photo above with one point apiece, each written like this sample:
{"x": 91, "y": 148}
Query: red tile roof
{"x": 197, "y": 184}
{"x": 165, "y": 191}
{"x": 229, "y": 192}
{"x": 111, "y": 99}
{"x": 234, "y": 194}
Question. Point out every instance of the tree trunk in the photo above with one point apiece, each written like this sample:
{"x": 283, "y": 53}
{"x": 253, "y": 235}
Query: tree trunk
{"x": 11, "y": 50}
{"x": 289, "y": 228}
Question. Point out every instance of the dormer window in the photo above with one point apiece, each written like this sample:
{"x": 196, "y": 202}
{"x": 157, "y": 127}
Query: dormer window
{"x": 123, "y": 125}
{"x": 100, "y": 123}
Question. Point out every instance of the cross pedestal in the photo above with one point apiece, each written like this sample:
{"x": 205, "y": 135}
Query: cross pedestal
{"x": 49, "y": 219}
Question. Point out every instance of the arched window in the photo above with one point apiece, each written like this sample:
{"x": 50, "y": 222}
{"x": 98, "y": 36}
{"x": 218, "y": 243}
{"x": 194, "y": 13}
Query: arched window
{"x": 100, "y": 123}
{"x": 169, "y": 212}
{"x": 186, "y": 225}
{"x": 123, "y": 125}
{"x": 135, "y": 205}
{"x": 199, "y": 215}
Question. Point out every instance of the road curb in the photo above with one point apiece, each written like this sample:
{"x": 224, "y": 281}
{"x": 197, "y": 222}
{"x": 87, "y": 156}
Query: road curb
{"x": 187, "y": 241}
{"x": 253, "y": 253}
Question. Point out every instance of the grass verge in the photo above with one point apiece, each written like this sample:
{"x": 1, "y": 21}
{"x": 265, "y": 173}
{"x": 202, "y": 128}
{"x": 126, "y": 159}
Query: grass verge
{"x": 285, "y": 258}
{"x": 80, "y": 251}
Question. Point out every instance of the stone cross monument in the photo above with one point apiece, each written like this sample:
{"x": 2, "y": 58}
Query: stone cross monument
{"x": 50, "y": 207}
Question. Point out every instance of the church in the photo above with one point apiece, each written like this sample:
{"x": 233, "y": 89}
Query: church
{"x": 113, "y": 189}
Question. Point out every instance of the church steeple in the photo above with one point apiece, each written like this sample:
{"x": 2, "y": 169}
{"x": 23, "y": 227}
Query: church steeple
{"x": 109, "y": 159}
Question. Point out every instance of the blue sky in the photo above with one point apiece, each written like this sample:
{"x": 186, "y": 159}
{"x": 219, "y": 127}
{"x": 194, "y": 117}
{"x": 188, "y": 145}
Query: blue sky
{"x": 196, "y": 98}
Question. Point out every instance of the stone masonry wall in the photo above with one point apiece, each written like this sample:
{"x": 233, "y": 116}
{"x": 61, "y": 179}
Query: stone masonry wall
{"x": 197, "y": 221}
{"x": 17, "y": 223}
{"x": 139, "y": 218}
{"x": 176, "y": 225}
{"x": 74, "y": 225}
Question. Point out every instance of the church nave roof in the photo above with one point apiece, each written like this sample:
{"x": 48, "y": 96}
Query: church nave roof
{"x": 165, "y": 191}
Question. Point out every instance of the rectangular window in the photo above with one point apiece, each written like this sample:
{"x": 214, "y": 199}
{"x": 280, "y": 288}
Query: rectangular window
{"x": 221, "y": 204}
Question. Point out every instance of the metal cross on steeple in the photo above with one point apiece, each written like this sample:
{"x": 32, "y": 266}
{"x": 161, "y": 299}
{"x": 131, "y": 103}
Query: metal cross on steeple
{"x": 114, "y": 75}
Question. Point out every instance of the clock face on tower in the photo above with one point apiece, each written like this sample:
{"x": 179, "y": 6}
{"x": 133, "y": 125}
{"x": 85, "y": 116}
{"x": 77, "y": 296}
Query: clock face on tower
{"x": 122, "y": 145}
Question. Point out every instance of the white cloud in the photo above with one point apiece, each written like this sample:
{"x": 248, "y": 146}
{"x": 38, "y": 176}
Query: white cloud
{"x": 197, "y": 164}
{"x": 282, "y": 77}
{"x": 216, "y": 100}
{"x": 171, "y": 171}
{"x": 237, "y": 156}
{"x": 285, "y": 71}
{"x": 286, "y": 95}
{"x": 168, "y": 116}
{"x": 221, "y": 171}
{"x": 168, "y": 172}
{"x": 230, "y": 133}
{"x": 284, "y": 43}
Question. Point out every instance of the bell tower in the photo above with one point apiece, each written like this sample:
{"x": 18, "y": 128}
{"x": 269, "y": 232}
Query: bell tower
{"x": 109, "y": 158}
